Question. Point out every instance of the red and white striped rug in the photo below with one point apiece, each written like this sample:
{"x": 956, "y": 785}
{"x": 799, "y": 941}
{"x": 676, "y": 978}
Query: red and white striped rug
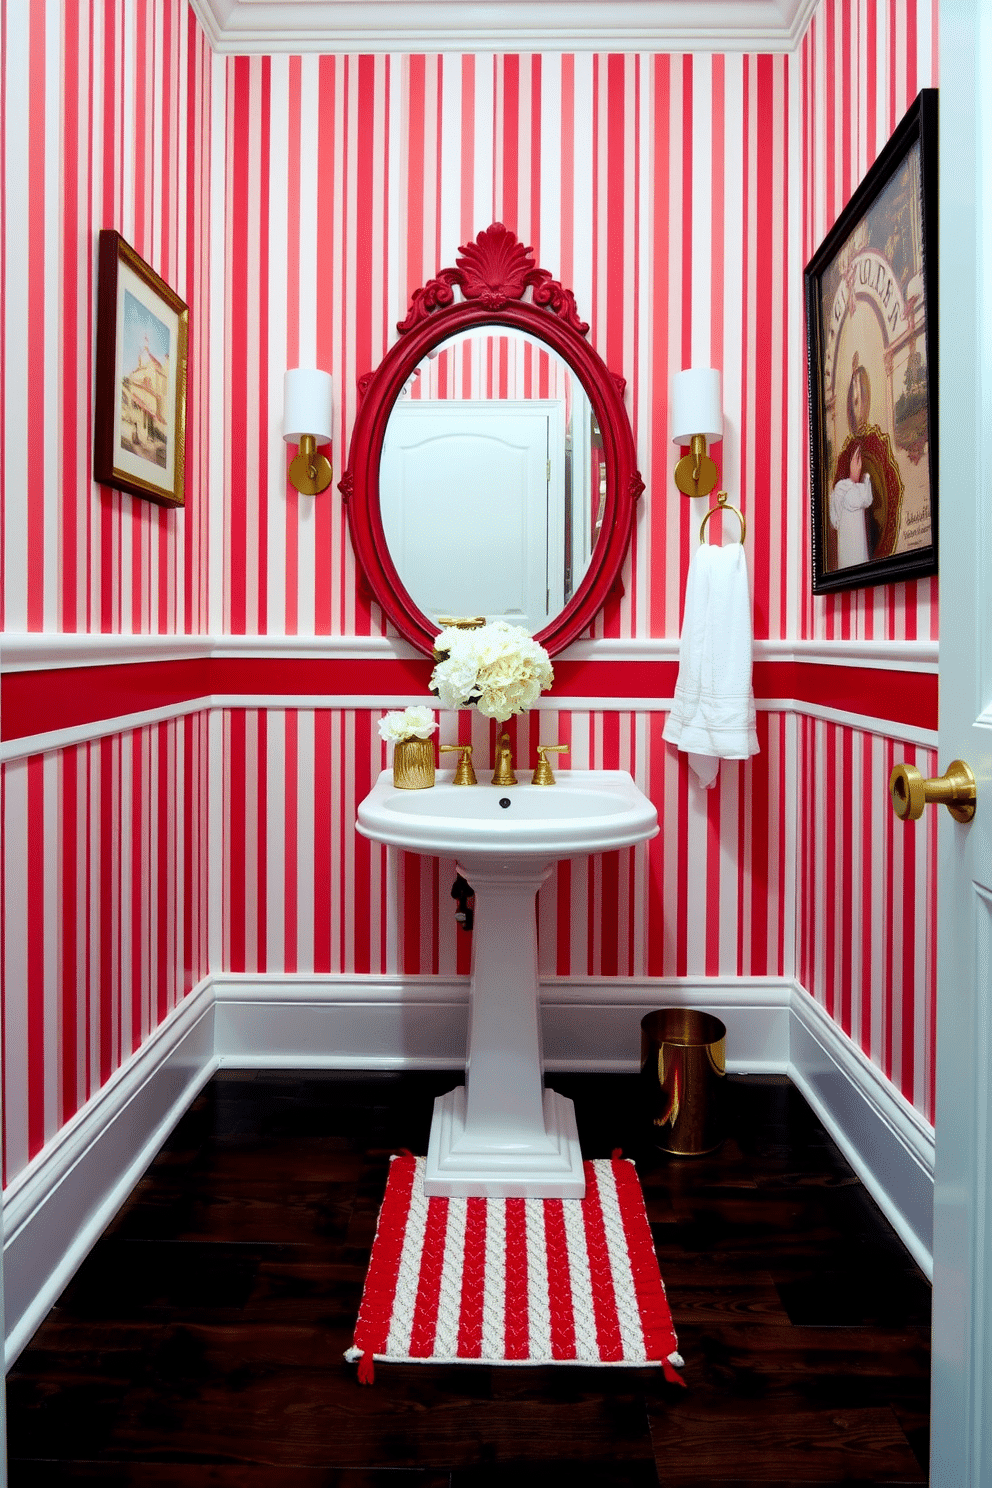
{"x": 515, "y": 1281}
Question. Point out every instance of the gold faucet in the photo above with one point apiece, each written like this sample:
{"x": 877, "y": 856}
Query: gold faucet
{"x": 464, "y": 775}
{"x": 543, "y": 775}
{"x": 503, "y": 773}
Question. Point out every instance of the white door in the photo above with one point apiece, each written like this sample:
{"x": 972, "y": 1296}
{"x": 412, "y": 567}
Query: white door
{"x": 464, "y": 495}
{"x": 961, "y": 1455}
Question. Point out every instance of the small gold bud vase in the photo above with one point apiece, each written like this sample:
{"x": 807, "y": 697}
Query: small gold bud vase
{"x": 413, "y": 764}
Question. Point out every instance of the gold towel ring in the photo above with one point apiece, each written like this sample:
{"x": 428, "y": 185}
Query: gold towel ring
{"x": 722, "y": 504}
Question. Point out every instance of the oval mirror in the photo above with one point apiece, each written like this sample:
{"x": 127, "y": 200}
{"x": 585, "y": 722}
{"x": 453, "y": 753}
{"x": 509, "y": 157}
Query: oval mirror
{"x": 492, "y": 468}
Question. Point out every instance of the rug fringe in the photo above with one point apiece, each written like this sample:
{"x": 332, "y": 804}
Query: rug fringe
{"x": 365, "y": 1362}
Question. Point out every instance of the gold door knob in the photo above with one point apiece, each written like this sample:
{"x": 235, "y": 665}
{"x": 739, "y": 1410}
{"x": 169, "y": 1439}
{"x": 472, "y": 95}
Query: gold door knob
{"x": 955, "y": 790}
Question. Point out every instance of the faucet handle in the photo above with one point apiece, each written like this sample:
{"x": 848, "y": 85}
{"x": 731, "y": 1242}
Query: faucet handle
{"x": 464, "y": 774}
{"x": 543, "y": 775}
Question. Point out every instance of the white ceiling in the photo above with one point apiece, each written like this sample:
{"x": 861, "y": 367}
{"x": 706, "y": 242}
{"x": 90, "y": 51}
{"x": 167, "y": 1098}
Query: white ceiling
{"x": 243, "y": 26}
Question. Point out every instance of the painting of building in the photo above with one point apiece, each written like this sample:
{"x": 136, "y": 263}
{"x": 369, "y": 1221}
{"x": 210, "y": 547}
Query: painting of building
{"x": 145, "y": 389}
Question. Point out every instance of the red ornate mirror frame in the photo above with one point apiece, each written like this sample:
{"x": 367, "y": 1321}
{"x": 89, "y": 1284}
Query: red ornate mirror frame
{"x": 493, "y": 274}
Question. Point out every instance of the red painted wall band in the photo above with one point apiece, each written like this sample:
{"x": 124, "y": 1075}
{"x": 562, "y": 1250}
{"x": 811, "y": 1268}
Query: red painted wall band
{"x": 44, "y": 701}
{"x": 39, "y": 702}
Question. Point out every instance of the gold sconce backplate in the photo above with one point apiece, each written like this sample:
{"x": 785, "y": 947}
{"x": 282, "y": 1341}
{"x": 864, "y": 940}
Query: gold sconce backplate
{"x": 310, "y": 472}
{"x": 696, "y": 474}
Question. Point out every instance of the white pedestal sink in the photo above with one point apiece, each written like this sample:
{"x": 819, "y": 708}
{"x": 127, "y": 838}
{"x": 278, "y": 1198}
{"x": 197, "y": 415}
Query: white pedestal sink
{"x": 502, "y": 1135}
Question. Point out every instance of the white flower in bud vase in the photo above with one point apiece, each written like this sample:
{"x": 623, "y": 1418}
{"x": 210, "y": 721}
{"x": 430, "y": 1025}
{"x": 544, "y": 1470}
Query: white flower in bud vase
{"x": 412, "y": 723}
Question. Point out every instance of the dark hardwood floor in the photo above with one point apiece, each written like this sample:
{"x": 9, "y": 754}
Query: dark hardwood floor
{"x": 201, "y": 1342}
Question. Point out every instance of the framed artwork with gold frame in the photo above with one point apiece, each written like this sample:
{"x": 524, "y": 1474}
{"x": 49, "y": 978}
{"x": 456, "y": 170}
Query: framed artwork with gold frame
{"x": 871, "y": 339}
{"x": 139, "y": 434}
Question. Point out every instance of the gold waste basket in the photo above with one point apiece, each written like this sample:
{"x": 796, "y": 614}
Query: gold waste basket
{"x": 683, "y": 1066}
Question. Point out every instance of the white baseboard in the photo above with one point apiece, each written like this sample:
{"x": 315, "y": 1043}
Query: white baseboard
{"x": 56, "y": 1209}
{"x": 888, "y": 1143}
{"x": 590, "y": 1023}
{"x": 340, "y": 1022}
{"x": 594, "y": 1023}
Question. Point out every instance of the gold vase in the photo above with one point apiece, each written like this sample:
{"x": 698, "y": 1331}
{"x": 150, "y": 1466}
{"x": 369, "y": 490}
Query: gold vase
{"x": 413, "y": 764}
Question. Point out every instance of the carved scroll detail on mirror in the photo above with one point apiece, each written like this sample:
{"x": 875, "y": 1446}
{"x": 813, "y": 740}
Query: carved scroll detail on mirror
{"x": 493, "y": 270}
{"x": 495, "y": 291}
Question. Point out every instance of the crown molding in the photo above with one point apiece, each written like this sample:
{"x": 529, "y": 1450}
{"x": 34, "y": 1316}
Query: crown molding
{"x": 271, "y": 26}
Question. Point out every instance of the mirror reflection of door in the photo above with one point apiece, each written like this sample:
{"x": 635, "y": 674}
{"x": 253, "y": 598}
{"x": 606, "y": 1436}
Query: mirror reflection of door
{"x": 469, "y": 511}
{"x": 487, "y": 491}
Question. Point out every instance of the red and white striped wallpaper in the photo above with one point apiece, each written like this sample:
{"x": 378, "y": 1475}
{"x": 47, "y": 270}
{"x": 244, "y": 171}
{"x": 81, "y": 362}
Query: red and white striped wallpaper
{"x": 491, "y": 366}
{"x": 655, "y": 186}
{"x": 104, "y": 914}
{"x": 866, "y": 921}
{"x": 679, "y": 196}
{"x": 304, "y": 892}
{"x": 866, "y": 924}
{"x": 861, "y": 66}
{"x": 106, "y": 104}
{"x": 690, "y": 259}
{"x": 105, "y": 114}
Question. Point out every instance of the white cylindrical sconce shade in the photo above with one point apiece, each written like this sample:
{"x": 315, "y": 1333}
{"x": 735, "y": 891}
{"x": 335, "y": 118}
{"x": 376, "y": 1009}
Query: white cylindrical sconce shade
{"x": 308, "y": 405}
{"x": 697, "y": 407}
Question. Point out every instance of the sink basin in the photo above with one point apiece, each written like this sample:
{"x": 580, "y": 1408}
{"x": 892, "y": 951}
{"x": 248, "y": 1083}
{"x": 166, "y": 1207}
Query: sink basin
{"x": 585, "y": 811}
{"x": 501, "y": 1134}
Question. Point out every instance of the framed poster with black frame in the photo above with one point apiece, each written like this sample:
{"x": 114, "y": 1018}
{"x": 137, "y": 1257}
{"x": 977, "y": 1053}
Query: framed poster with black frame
{"x": 871, "y": 338}
{"x": 139, "y": 425}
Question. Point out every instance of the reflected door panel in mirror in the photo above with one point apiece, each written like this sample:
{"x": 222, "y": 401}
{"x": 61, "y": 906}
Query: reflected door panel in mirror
{"x": 490, "y": 454}
{"x": 498, "y": 365}
{"x": 493, "y": 346}
{"x": 465, "y": 500}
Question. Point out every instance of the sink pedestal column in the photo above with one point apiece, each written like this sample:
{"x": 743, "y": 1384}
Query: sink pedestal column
{"x": 501, "y": 1134}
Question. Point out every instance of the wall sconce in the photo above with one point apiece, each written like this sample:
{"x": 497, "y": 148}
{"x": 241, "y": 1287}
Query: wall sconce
{"x": 697, "y": 417}
{"x": 308, "y": 413}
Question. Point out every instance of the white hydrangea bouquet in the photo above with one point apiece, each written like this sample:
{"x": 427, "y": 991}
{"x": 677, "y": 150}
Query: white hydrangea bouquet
{"x": 497, "y": 668}
{"x": 413, "y": 755}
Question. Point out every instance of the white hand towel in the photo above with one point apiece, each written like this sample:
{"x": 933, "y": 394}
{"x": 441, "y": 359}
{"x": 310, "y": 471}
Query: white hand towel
{"x": 713, "y": 714}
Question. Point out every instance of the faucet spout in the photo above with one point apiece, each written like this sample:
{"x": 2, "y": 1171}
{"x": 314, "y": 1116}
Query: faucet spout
{"x": 503, "y": 773}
